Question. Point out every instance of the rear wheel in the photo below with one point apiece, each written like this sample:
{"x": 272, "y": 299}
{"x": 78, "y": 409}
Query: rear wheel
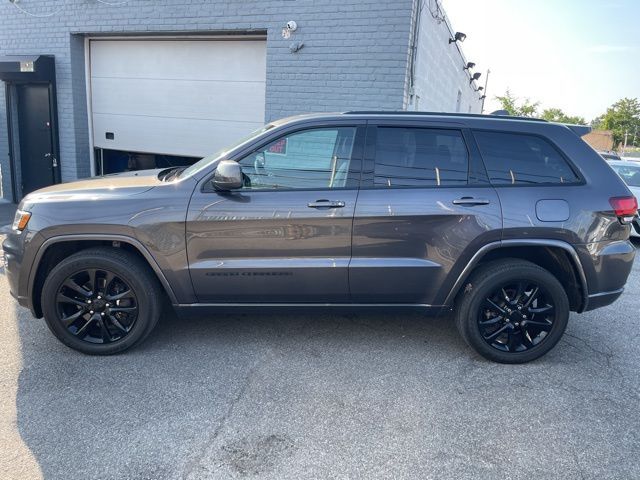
{"x": 101, "y": 301}
{"x": 512, "y": 311}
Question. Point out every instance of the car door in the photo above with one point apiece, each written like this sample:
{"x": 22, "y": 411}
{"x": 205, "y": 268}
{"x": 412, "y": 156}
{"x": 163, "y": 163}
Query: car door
{"x": 424, "y": 208}
{"x": 285, "y": 237}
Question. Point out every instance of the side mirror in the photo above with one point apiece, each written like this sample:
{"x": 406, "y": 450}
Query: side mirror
{"x": 228, "y": 176}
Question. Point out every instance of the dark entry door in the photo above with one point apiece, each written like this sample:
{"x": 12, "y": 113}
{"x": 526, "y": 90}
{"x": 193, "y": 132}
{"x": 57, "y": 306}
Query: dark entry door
{"x": 36, "y": 142}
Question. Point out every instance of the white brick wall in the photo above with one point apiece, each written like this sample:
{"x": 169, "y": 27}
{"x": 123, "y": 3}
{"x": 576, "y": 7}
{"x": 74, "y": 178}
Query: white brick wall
{"x": 439, "y": 74}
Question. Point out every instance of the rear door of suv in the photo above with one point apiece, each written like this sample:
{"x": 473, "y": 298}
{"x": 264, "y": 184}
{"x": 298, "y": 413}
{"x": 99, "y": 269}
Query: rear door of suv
{"x": 425, "y": 207}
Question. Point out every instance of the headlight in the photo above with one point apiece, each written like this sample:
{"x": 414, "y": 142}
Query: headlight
{"x": 21, "y": 220}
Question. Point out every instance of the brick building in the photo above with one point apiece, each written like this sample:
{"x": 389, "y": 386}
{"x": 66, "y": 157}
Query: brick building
{"x": 96, "y": 86}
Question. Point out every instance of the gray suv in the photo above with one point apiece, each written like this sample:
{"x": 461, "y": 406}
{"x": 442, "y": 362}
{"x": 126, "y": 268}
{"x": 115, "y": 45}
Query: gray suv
{"x": 511, "y": 223}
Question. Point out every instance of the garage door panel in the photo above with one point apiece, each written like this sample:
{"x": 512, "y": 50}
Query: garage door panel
{"x": 184, "y": 137}
{"x": 173, "y": 98}
{"x": 234, "y": 60}
{"x": 178, "y": 97}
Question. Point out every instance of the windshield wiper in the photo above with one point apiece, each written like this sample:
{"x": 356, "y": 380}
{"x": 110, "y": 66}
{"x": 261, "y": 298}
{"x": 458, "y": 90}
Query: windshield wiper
{"x": 170, "y": 173}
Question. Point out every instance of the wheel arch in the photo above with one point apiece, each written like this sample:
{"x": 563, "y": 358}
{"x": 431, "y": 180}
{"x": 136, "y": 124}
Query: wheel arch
{"x": 55, "y": 249}
{"x": 556, "y": 256}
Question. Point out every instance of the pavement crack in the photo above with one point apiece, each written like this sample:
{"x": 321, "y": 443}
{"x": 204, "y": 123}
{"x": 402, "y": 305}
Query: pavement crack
{"x": 607, "y": 355}
{"x": 193, "y": 465}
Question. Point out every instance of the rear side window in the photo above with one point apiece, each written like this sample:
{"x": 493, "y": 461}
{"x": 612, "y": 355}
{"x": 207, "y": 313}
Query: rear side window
{"x": 420, "y": 157}
{"x": 516, "y": 159}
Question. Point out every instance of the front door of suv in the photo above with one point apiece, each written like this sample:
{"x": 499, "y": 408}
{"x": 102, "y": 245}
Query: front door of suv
{"x": 424, "y": 208}
{"x": 285, "y": 237}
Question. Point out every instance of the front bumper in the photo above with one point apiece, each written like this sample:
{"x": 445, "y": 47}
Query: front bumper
{"x": 15, "y": 268}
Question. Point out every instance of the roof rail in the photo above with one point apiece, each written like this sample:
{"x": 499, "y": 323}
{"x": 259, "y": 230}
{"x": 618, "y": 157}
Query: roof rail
{"x": 439, "y": 114}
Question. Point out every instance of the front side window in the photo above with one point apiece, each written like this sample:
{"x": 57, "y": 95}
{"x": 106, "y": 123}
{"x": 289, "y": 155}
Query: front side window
{"x": 518, "y": 159}
{"x": 310, "y": 159}
{"x": 420, "y": 157}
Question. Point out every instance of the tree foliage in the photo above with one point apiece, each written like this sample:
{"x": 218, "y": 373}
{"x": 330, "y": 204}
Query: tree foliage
{"x": 515, "y": 107}
{"x": 557, "y": 115}
{"x": 622, "y": 117}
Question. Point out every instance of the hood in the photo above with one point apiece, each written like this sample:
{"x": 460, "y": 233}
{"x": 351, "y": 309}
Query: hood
{"x": 115, "y": 185}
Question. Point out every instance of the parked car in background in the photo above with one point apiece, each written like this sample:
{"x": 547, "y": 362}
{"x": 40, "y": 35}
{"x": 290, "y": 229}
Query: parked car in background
{"x": 511, "y": 223}
{"x": 630, "y": 173}
{"x": 610, "y": 156}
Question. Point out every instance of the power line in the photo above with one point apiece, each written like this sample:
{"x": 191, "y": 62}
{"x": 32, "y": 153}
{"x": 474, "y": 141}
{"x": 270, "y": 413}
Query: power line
{"x": 35, "y": 15}
{"x": 64, "y": 5}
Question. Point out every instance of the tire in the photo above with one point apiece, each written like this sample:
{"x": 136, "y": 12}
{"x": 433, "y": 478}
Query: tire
{"x": 489, "y": 302}
{"x": 120, "y": 303}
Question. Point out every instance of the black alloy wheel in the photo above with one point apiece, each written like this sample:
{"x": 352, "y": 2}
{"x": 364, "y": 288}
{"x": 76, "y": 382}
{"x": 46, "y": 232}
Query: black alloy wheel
{"x": 102, "y": 300}
{"x": 97, "y": 306}
{"x": 516, "y": 316}
{"x": 512, "y": 311}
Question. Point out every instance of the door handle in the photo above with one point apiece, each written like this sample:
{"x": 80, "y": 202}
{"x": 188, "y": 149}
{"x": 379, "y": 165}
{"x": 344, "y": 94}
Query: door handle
{"x": 470, "y": 201}
{"x": 325, "y": 204}
{"x": 54, "y": 160}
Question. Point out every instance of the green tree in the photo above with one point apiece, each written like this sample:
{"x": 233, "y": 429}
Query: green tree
{"x": 622, "y": 117}
{"x": 518, "y": 108}
{"x": 557, "y": 115}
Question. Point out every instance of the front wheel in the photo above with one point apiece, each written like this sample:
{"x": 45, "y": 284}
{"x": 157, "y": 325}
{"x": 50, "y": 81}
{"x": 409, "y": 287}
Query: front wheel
{"x": 512, "y": 311}
{"x": 101, "y": 301}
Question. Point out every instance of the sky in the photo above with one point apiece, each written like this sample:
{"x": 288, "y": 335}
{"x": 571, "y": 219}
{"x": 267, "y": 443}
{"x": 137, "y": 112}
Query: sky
{"x": 577, "y": 55}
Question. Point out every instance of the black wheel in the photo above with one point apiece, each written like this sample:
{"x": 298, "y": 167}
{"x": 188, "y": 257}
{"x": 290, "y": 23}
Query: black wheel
{"x": 512, "y": 311}
{"x": 101, "y": 301}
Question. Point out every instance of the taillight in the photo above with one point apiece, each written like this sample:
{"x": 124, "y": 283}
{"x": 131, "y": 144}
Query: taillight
{"x": 625, "y": 207}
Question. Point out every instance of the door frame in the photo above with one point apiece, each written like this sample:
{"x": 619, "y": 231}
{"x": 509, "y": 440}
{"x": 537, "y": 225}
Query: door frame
{"x": 14, "y": 131}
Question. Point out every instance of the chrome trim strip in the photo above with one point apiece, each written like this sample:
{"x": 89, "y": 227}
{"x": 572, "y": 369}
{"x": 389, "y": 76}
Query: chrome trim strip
{"x": 602, "y": 294}
{"x": 256, "y": 263}
{"x": 391, "y": 262}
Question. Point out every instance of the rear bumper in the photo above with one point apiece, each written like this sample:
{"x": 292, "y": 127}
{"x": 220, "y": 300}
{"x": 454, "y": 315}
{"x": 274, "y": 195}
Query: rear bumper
{"x": 607, "y": 266}
{"x": 603, "y": 299}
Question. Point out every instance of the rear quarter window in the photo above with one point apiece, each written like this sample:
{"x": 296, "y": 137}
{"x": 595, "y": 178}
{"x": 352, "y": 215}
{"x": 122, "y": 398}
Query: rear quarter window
{"x": 521, "y": 159}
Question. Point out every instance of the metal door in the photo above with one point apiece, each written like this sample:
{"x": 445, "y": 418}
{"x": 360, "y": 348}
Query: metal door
{"x": 37, "y": 158}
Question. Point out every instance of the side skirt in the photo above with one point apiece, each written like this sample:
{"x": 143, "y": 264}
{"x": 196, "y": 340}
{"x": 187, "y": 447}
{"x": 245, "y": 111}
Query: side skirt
{"x": 200, "y": 309}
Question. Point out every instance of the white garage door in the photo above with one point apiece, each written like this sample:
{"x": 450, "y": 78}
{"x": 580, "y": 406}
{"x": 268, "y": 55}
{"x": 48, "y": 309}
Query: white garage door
{"x": 176, "y": 97}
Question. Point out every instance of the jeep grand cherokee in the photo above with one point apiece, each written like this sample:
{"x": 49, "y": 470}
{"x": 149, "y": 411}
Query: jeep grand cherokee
{"x": 511, "y": 223}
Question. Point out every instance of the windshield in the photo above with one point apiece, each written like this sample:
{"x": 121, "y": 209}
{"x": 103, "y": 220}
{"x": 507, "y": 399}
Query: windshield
{"x": 629, "y": 173}
{"x": 209, "y": 159}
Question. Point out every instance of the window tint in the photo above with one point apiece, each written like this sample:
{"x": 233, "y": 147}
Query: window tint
{"x": 513, "y": 158}
{"x": 420, "y": 157}
{"x": 317, "y": 158}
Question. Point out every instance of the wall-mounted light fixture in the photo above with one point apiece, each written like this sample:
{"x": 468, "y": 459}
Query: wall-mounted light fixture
{"x": 482, "y": 97}
{"x": 475, "y": 76}
{"x": 479, "y": 89}
{"x": 458, "y": 37}
{"x": 469, "y": 65}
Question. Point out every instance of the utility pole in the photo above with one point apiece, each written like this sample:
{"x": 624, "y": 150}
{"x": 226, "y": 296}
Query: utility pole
{"x": 624, "y": 148}
{"x": 486, "y": 81}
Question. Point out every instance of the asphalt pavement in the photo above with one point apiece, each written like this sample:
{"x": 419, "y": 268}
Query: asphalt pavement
{"x": 322, "y": 396}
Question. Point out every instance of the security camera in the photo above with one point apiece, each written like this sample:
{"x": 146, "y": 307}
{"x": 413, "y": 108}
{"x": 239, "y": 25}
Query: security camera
{"x": 292, "y": 26}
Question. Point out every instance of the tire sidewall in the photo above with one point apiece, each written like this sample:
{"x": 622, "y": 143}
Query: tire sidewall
{"x": 53, "y": 282}
{"x": 487, "y": 286}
